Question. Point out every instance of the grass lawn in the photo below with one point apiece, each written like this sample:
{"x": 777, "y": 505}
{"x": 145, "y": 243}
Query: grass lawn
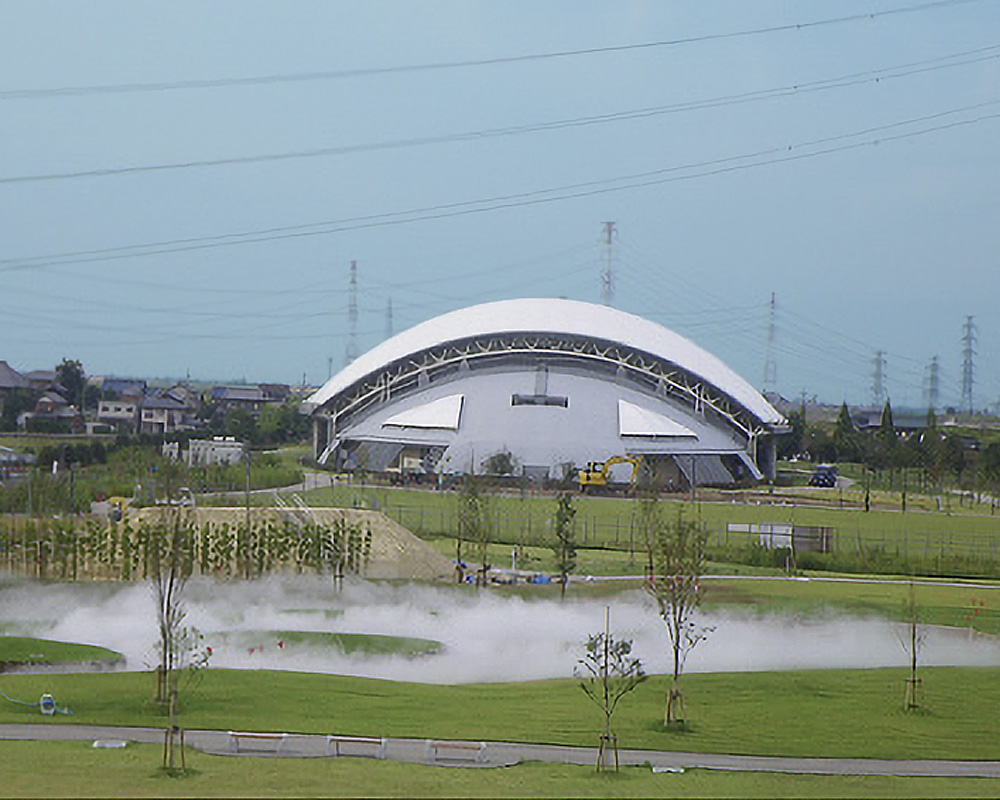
{"x": 74, "y": 769}
{"x": 361, "y": 643}
{"x": 611, "y": 521}
{"x": 938, "y": 603}
{"x": 805, "y": 713}
{"x": 25, "y": 648}
{"x": 541, "y": 559}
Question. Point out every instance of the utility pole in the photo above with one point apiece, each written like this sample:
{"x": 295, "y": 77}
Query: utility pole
{"x": 878, "y": 378}
{"x": 968, "y": 366}
{"x": 608, "y": 276}
{"x": 351, "y": 351}
{"x": 388, "y": 318}
{"x": 770, "y": 366}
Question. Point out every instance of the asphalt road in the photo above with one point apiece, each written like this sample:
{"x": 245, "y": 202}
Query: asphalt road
{"x": 497, "y": 754}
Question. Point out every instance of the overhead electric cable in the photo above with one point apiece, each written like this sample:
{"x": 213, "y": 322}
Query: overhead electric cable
{"x": 855, "y": 79}
{"x": 775, "y": 155}
{"x": 212, "y": 83}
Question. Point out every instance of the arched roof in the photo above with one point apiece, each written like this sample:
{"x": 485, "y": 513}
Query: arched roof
{"x": 555, "y": 317}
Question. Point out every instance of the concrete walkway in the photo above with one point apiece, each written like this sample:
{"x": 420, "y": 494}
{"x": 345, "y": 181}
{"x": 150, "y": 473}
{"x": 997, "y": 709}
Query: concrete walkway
{"x": 499, "y": 754}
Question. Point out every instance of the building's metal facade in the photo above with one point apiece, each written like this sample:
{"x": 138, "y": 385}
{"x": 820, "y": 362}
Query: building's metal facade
{"x": 541, "y": 386}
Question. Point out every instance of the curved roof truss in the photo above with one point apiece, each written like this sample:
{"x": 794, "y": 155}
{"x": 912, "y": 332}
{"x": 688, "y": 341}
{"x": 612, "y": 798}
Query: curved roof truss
{"x": 657, "y": 374}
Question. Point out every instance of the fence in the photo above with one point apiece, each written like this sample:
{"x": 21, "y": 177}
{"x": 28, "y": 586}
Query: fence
{"x": 933, "y": 543}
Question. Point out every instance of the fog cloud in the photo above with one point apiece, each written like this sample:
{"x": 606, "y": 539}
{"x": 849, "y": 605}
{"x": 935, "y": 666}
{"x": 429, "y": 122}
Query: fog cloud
{"x": 486, "y": 636}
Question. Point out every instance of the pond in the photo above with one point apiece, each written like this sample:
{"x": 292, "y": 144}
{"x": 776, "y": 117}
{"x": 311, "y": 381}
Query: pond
{"x": 483, "y": 636}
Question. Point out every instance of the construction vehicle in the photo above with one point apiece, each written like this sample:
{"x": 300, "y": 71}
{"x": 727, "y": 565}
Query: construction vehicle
{"x": 595, "y": 477}
{"x": 118, "y": 507}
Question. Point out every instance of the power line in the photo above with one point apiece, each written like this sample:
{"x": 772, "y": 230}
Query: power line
{"x": 768, "y": 157}
{"x": 854, "y": 79}
{"x": 213, "y": 83}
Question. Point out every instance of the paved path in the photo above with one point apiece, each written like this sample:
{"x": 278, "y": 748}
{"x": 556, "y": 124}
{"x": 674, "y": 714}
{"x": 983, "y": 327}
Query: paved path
{"x": 497, "y": 754}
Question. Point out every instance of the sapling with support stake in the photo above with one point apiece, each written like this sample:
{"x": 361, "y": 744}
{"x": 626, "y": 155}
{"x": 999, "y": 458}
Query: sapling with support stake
{"x": 608, "y": 671}
{"x": 565, "y": 544}
{"x": 677, "y": 561}
{"x": 170, "y": 563}
{"x": 474, "y": 526}
{"x": 913, "y": 695}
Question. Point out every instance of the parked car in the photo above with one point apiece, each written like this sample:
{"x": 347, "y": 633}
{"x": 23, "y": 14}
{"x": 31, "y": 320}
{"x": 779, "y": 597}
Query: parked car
{"x": 824, "y": 475}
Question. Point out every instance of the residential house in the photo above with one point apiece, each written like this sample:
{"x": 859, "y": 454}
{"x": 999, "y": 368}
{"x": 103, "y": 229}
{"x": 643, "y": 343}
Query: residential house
{"x": 161, "y": 414}
{"x": 249, "y": 398}
{"x": 43, "y": 379}
{"x": 52, "y": 413}
{"x": 122, "y": 415}
{"x": 276, "y": 392}
{"x": 123, "y": 388}
{"x": 11, "y": 379}
{"x": 186, "y": 394}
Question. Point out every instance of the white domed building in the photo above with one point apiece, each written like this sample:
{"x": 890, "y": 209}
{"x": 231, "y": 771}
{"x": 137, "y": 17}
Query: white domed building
{"x": 540, "y": 387}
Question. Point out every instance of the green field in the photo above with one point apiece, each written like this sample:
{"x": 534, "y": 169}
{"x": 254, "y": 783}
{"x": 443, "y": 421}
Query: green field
{"x": 347, "y": 643}
{"x": 28, "y": 649}
{"x": 612, "y": 522}
{"x": 806, "y": 713}
{"x": 74, "y": 769}
{"x": 938, "y": 603}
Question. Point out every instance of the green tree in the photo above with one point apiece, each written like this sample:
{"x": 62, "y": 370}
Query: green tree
{"x": 474, "y": 525}
{"x": 677, "y": 558}
{"x": 501, "y": 463}
{"x": 169, "y": 563}
{"x": 565, "y": 538}
{"x": 241, "y": 424}
{"x": 279, "y": 423}
{"x": 608, "y": 671}
{"x": 70, "y": 375}
{"x": 817, "y": 442}
{"x": 845, "y": 436}
{"x": 791, "y": 443}
{"x": 886, "y": 430}
{"x": 14, "y": 404}
{"x": 912, "y": 644}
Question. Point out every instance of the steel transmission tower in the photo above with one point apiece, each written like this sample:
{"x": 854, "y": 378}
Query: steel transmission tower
{"x": 968, "y": 366}
{"x": 878, "y": 378}
{"x": 388, "y": 318}
{"x": 770, "y": 366}
{"x": 351, "y": 350}
{"x": 608, "y": 276}
{"x": 932, "y": 393}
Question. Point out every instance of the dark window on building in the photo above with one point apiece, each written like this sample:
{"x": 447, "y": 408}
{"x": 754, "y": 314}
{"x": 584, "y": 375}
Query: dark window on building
{"x": 539, "y": 400}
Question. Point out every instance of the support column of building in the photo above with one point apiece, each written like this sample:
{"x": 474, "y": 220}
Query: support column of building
{"x": 767, "y": 456}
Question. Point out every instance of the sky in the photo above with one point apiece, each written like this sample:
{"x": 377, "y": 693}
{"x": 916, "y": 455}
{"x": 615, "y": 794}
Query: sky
{"x": 184, "y": 185}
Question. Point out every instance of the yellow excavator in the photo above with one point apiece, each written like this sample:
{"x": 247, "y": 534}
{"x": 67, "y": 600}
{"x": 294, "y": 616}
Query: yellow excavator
{"x": 595, "y": 477}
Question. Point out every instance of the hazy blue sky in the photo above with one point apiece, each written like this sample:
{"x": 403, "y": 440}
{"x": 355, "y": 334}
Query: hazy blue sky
{"x": 842, "y": 155}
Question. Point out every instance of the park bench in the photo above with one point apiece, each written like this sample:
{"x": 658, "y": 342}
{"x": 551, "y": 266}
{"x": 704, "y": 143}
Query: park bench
{"x": 355, "y": 742}
{"x": 454, "y": 751}
{"x": 235, "y": 737}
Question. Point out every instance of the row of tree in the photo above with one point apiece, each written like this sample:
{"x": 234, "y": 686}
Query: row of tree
{"x": 939, "y": 453}
{"x": 64, "y": 548}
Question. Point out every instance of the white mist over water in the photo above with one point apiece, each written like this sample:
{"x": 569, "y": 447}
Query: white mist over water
{"x": 486, "y": 636}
